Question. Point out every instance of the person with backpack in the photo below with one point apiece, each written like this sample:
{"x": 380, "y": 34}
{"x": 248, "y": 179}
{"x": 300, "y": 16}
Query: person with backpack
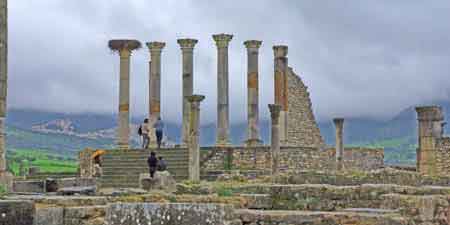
{"x": 143, "y": 131}
{"x": 162, "y": 165}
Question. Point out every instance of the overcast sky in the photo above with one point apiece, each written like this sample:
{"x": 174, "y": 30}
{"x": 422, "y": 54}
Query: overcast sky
{"x": 358, "y": 58}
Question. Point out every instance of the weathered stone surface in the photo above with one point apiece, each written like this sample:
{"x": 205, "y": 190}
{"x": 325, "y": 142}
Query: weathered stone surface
{"x": 162, "y": 181}
{"x": 14, "y": 212}
{"x": 33, "y": 186}
{"x": 169, "y": 214}
{"x": 49, "y": 216}
{"x": 62, "y": 201}
{"x": 75, "y": 182}
{"x": 91, "y": 215}
{"x": 88, "y": 190}
{"x": 318, "y": 218}
{"x": 258, "y": 201}
{"x": 7, "y": 180}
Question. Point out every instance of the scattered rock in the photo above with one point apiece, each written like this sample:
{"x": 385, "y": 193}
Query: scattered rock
{"x": 161, "y": 181}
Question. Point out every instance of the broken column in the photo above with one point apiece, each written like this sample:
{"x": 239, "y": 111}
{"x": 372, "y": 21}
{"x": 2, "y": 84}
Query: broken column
{"x": 124, "y": 48}
{"x": 193, "y": 144}
{"x": 339, "y": 124}
{"x": 281, "y": 87}
{"x": 275, "y": 136}
{"x": 155, "y": 49}
{"x": 253, "y": 137}
{"x": 187, "y": 48}
{"x": 222, "y": 41}
{"x": 430, "y": 129}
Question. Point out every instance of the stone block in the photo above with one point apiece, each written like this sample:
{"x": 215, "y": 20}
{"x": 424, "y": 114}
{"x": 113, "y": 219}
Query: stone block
{"x": 6, "y": 179}
{"x": 89, "y": 190}
{"x": 169, "y": 214}
{"x": 32, "y": 186}
{"x": 161, "y": 181}
{"x": 16, "y": 212}
{"x": 258, "y": 201}
{"x": 49, "y": 216}
{"x": 89, "y": 215}
{"x": 75, "y": 182}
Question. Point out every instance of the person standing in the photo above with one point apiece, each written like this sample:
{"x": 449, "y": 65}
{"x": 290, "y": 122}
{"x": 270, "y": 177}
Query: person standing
{"x": 159, "y": 127}
{"x": 152, "y": 162}
{"x": 145, "y": 134}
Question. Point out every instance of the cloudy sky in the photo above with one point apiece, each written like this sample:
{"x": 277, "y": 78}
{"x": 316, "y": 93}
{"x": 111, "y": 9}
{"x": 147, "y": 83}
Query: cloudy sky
{"x": 358, "y": 58}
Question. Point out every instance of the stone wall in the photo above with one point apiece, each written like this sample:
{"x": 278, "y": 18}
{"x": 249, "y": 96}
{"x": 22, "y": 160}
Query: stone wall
{"x": 443, "y": 156}
{"x": 86, "y": 164}
{"x": 302, "y": 126}
{"x": 292, "y": 158}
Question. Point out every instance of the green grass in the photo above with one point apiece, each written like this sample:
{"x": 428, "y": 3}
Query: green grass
{"x": 46, "y": 161}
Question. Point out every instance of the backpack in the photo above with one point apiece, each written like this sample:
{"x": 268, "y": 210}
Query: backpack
{"x": 140, "y": 130}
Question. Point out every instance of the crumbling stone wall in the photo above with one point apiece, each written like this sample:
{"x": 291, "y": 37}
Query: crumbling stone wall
{"x": 302, "y": 126}
{"x": 442, "y": 156}
{"x": 86, "y": 164}
{"x": 293, "y": 159}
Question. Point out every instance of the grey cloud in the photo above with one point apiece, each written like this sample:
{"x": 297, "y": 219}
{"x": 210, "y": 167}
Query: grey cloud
{"x": 361, "y": 58}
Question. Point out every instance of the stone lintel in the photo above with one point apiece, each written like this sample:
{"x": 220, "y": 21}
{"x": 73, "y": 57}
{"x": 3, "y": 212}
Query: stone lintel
{"x": 429, "y": 113}
{"x": 222, "y": 40}
{"x": 187, "y": 43}
{"x": 280, "y": 50}
{"x": 253, "y": 44}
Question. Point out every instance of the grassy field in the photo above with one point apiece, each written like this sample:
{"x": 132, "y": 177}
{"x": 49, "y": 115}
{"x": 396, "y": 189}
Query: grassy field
{"x": 46, "y": 161}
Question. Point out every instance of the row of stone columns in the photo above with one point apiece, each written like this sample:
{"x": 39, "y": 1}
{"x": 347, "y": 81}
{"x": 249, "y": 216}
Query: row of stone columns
{"x": 125, "y": 48}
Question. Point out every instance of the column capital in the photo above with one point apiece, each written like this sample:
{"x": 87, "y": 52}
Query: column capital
{"x": 187, "y": 43}
{"x": 222, "y": 40}
{"x": 338, "y": 121}
{"x": 274, "y": 111}
{"x": 155, "y": 46}
{"x": 280, "y": 50}
{"x": 124, "y": 46}
{"x": 252, "y": 44}
{"x": 429, "y": 113}
{"x": 195, "y": 98}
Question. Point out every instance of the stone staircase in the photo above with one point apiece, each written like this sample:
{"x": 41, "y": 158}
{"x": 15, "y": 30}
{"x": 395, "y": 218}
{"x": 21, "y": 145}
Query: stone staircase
{"x": 121, "y": 168}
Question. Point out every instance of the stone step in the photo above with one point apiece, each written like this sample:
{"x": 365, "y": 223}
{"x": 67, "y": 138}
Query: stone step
{"x": 120, "y": 169}
{"x": 319, "y": 217}
{"x": 144, "y": 158}
{"x": 110, "y": 163}
{"x": 147, "y": 153}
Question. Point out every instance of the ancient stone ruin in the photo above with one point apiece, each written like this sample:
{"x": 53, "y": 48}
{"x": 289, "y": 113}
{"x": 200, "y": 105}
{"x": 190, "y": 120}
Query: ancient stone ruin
{"x": 295, "y": 179}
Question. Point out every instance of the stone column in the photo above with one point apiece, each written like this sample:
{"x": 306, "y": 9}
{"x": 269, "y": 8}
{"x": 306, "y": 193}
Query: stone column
{"x": 281, "y": 87}
{"x": 253, "y": 138}
{"x": 222, "y": 41}
{"x": 430, "y": 129}
{"x": 275, "y": 136}
{"x": 187, "y": 50}
{"x": 193, "y": 144}
{"x": 339, "y": 124}
{"x": 3, "y": 79}
{"x": 155, "y": 49}
{"x": 124, "y": 48}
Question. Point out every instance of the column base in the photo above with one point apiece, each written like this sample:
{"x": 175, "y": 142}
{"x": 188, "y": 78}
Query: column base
{"x": 253, "y": 142}
{"x": 6, "y": 180}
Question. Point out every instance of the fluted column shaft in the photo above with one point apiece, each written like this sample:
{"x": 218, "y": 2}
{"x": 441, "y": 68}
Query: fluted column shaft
{"x": 193, "y": 143}
{"x": 3, "y": 79}
{"x": 281, "y": 87}
{"x": 339, "y": 124}
{"x": 275, "y": 137}
{"x": 124, "y": 99}
{"x": 253, "y": 137}
{"x": 187, "y": 49}
{"x": 155, "y": 49}
{"x": 222, "y": 41}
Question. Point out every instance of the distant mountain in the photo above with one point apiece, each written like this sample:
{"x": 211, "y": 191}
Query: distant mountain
{"x": 61, "y": 132}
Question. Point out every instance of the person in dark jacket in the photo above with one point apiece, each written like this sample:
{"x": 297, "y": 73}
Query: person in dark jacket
{"x": 162, "y": 165}
{"x": 152, "y": 162}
